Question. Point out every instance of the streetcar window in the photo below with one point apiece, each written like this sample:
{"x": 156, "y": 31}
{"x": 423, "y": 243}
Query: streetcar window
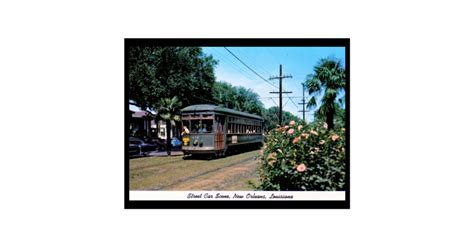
{"x": 207, "y": 126}
{"x": 195, "y": 126}
{"x": 187, "y": 124}
{"x": 201, "y": 126}
{"x": 220, "y": 121}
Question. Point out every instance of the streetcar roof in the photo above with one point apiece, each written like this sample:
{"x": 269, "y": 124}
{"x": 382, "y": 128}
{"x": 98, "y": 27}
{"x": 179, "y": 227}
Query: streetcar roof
{"x": 214, "y": 108}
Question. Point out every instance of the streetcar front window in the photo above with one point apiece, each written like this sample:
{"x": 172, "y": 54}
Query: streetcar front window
{"x": 201, "y": 126}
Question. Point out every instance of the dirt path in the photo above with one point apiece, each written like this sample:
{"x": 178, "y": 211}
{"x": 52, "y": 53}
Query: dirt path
{"x": 174, "y": 173}
{"x": 233, "y": 177}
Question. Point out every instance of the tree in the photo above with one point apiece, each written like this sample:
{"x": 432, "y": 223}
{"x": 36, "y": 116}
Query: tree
{"x": 329, "y": 80}
{"x": 339, "y": 117}
{"x": 249, "y": 101}
{"x": 238, "y": 98}
{"x": 169, "y": 111}
{"x": 163, "y": 72}
{"x": 270, "y": 118}
{"x": 224, "y": 94}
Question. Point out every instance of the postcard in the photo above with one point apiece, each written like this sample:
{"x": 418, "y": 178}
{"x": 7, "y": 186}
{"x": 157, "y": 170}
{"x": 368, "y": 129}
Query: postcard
{"x": 237, "y": 123}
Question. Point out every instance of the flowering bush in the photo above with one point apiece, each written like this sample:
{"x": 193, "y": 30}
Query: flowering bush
{"x": 303, "y": 157}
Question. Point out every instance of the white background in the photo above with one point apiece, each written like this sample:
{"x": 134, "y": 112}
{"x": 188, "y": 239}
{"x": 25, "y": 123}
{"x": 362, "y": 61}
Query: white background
{"x": 61, "y": 98}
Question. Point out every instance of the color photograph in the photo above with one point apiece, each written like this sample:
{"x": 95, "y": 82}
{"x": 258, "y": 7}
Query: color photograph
{"x": 253, "y": 120}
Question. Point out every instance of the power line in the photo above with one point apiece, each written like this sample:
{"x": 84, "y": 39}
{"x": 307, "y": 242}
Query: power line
{"x": 291, "y": 99}
{"x": 276, "y": 104}
{"x": 285, "y": 103}
{"x": 249, "y": 68}
{"x": 234, "y": 66}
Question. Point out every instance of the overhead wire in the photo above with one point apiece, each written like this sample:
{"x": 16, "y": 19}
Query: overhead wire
{"x": 265, "y": 80}
{"x": 235, "y": 56}
{"x": 260, "y": 66}
{"x": 235, "y": 66}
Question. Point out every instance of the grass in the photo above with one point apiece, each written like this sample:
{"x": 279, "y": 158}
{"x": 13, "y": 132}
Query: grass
{"x": 174, "y": 173}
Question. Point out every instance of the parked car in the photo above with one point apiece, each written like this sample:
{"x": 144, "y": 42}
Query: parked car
{"x": 133, "y": 149}
{"x": 160, "y": 143}
{"x": 144, "y": 148}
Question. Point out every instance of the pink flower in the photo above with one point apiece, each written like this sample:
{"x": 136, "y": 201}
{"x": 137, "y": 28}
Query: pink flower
{"x": 313, "y": 132}
{"x": 343, "y": 129}
{"x": 325, "y": 125}
{"x": 322, "y": 142}
{"x": 335, "y": 137}
{"x": 286, "y": 127}
{"x": 301, "y": 168}
{"x": 299, "y": 127}
{"x": 292, "y": 123}
{"x": 305, "y": 135}
{"x": 271, "y": 158}
{"x": 296, "y": 140}
{"x": 291, "y": 131}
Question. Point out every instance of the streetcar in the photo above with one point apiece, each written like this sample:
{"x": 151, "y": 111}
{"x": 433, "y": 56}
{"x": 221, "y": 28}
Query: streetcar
{"x": 215, "y": 131}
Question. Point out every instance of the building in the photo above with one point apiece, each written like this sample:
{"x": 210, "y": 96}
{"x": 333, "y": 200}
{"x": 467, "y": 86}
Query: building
{"x": 142, "y": 124}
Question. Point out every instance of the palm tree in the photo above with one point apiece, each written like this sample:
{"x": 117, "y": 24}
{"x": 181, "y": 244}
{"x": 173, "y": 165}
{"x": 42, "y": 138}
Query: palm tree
{"x": 329, "y": 79}
{"x": 169, "y": 111}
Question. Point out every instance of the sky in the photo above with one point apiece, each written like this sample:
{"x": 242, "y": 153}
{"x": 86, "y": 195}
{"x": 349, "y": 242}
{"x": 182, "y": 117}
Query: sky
{"x": 296, "y": 61}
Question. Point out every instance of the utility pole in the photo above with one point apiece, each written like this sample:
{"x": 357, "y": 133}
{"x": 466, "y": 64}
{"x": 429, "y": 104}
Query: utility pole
{"x": 304, "y": 105}
{"x": 281, "y": 77}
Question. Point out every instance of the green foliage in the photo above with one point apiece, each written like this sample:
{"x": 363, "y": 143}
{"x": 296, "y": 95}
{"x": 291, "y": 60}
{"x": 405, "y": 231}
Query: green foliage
{"x": 303, "y": 157}
{"x": 339, "y": 117}
{"x": 238, "y": 98}
{"x": 270, "y": 117}
{"x": 169, "y": 110}
{"x": 327, "y": 80}
{"x": 164, "y": 72}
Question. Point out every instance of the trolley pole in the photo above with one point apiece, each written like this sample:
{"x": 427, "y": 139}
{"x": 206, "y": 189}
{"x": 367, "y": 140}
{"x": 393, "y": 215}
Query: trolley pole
{"x": 281, "y": 77}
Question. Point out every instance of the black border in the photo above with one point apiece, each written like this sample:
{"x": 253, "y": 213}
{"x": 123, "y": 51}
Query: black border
{"x": 247, "y": 204}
